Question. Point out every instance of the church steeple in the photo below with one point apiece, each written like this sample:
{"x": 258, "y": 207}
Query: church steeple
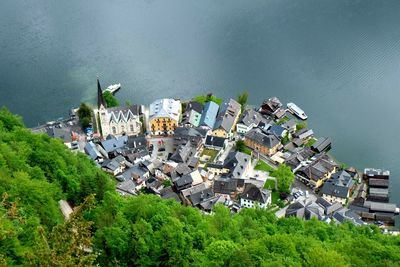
{"x": 100, "y": 99}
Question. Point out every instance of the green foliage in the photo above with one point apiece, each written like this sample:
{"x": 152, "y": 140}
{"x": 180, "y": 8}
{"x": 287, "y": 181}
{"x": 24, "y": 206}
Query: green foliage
{"x": 310, "y": 142}
{"x": 112, "y": 230}
{"x": 167, "y": 183}
{"x": 242, "y": 99}
{"x": 301, "y": 125}
{"x": 202, "y": 99}
{"x": 85, "y": 115}
{"x": 111, "y": 100}
{"x": 241, "y": 147}
{"x": 284, "y": 176}
{"x": 282, "y": 120}
{"x": 285, "y": 139}
{"x": 269, "y": 184}
{"x": 263, "y": 166}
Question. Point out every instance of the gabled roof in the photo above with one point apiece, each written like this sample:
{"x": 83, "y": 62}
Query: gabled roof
{"x": 322, "y": 144}
{"x": 252, "y": 192}
{"x": 289, "y": 124}
{"x": 227, "y": 115}
{"x": 137, "y": 141}
{"x": 201, "y": 196}
{"x": 276, "y": 129}
{"x": 251, "y": 117}
{"x": 267, "y": 140}
{"x": 61, "y": 133}
{"x": 184, "y": 180}
{"x": 167, "y": 107}
{"x": 319, "y": 167}
{"x": 215, "y": 141}
{"x": 194, "y": 105}
{"x": 224, "y": 185}
{"x": 237, "y": 163}
{"x": 91, "y": 150}
{"x": 209, "y": 114}
{"x": 110, "y": 145}
{"x": 183, "y": 153}
{"x": 118, "y": 114}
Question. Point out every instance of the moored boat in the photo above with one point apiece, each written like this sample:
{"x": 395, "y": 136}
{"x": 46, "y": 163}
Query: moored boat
{"x": 297, "y": 111}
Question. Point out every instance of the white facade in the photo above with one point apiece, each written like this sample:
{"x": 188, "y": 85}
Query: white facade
{"x": 248, "y": 203}
{"x": 243, "y": 129}
{"x": 119, "y": 121}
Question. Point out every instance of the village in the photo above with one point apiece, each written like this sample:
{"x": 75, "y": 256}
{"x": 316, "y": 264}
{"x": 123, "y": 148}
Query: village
{"x": 207, "y": 151}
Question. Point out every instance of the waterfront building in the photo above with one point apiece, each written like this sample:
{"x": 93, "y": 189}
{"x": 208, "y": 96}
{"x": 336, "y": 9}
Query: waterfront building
{"x": 209, "y": 114}
{"x": 266, "y": 144}
{"x": 164, "y": 116}
{"x": 193, "y": 113}
{"x": 227, "y": 118}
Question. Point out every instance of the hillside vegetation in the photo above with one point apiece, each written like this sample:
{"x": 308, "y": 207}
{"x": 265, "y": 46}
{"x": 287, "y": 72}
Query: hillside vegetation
{"x": 110, "y": 230}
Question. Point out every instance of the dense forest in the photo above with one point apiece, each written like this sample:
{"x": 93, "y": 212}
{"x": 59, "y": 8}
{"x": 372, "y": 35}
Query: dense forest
{"x": 107, "y": 229}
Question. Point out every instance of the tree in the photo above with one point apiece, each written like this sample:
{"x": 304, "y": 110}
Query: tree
{"x": 85, "y": 115}
{"x": 242, "y": 99}
{"x": 111, "y": 100}
{"x": 284, "y": 176}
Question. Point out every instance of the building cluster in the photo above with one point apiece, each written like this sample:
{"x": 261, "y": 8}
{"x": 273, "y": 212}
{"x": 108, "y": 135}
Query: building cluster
{"x": 189, "y": 151}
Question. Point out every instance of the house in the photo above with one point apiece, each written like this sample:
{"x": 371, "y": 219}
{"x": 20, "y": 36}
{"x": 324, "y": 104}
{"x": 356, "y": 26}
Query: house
{"x": 93, "y": 152}
{"x": 114, "y": 145}
{"x": 270, "y": 106}
{"x": 227, "y": 118}
{"x": 322, "y": 144}
{"x": 137, "y": 142}
{"x": 378, "y": 194}
{"x": 305, "y": 210}
{"x": 236, "y": 165}
{"x": 114, "y": 166}
{"x": 127, "y": 187}
{"x": 184, "y": 153}
{"x": 193, "y": 113}
{"x": 194, "y": 135}
{"x": 168, "y": 193}
{"x": 61, "y": 133}
{"x": 338, "y": 187}
{"x": 164, "y": 116}
{"x": 225, "y": 185}
{"x": 298, "y": 156}
{"x": 183, "y": 182}
{"x": 210, "y": 112}
{"x": 201, "y": 196}
{"x": 290, "y": 125}
{"x": 318, "y": 171}
{"x": 347, "y": 215}
{"x": 208, "y": 204}
{"x": 277, "y": 130}
{"x": 252, "y": 196}
{"x": 303, "y": 134}
{"x": 266, "y": 144}
{"x": 249, "y": 120}
{"x": 329, "y": 208}
{"x": 138, "y": 173}
{"x": 215, "y": 142}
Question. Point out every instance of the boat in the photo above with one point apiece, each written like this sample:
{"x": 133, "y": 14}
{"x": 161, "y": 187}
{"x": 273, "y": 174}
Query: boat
{"x": 297, "y": 111}
{"x": 113, "y": 88}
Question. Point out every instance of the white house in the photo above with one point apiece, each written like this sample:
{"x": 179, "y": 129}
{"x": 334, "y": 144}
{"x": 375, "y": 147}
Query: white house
{"x": 119, "y": 121}
{"x": 252, "y": 196}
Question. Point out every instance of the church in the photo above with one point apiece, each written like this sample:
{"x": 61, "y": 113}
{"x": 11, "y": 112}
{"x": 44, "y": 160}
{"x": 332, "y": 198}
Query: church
{"x": 116, "y": 121}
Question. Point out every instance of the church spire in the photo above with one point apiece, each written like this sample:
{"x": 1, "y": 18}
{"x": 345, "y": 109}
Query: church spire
{"x": 100, "y": 99}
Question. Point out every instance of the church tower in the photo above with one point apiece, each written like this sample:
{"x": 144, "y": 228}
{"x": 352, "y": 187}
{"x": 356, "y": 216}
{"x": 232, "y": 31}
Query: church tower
{"x": 100, "y": 98}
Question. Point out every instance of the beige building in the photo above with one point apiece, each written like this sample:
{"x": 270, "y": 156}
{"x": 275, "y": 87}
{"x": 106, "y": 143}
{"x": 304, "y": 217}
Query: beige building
{"x": 227, "y": 118}
{"x": 164, "y": 116}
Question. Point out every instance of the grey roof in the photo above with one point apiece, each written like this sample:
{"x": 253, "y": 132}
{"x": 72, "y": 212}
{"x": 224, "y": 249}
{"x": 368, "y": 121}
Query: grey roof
{"x": 168, "y": 193}
{"x": 266, "y": 140}
{"x": 322, "y": 144}
{"x": 271, "y": 105}
{"x": 338, "y": 185}
{"x": 182, "y": 135}
{"x": 215, "y": 141}
{"x": 138, "y": 170}
{"x": 378, "y": 183}
{"x": 319, "y": 167}
{"x": 91, "y": 150}
{"x": 346, "y": 215}
{"x": 201, "y": 196}
{"x": 276, "y": 129}
{"x": 183, "y": 153}
{"x": 254, "y": 193}
{"x": 182, "y": 169}
{"x": 378, "y": 191}
{"x": 115, "y": 143}
{"x": 61, "y": 133}
{"x": 227, "y": 114}
{"x": 208, "y": 204}
{"x": 121, "y": 113}
{"x": 250, "y": 117}
{"x": 378, "y": 173}
{"x": 196, "y": 106}
{"x": 127, "y": 187}
{"x": 289, "y": 124}
{"x": 111, "y": 165}
{"x": 184, "y": 180}
{"x": 305, "y": 210}
{"x": 237, "y": 163}
{"x": 303, "y": 133}
{"x": 137, "y": 142}
{"x": 380, "y": 207}
{"x": 224, "y": 185}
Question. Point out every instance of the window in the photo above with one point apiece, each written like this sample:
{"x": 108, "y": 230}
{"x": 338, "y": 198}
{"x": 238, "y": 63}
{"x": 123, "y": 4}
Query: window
{"x": 114, "y": 130}
{"x": 131, "y": 127}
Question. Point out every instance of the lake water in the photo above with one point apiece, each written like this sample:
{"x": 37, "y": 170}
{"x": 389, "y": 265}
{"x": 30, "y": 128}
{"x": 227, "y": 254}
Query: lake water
{"x": 338, "y": 60}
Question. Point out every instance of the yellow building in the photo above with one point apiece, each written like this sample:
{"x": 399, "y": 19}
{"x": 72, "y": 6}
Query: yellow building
{"x": 227, "y": 118}
{"x": 164, "y": 116}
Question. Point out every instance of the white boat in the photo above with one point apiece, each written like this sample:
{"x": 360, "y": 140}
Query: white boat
{"x": 297, "y": 111}
{"x": 113, "y": 88}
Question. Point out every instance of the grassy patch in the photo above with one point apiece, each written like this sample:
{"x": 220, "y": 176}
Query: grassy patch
{"x": 202, "y": 99}
{"x": 263, "y": 166}
{"x": 210, "y": 152}
{"x": 282, "y": 120}
{"x": 310, "y": 142}
{"x": 275, "y": 197}
{"x": 269, "y": 184}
